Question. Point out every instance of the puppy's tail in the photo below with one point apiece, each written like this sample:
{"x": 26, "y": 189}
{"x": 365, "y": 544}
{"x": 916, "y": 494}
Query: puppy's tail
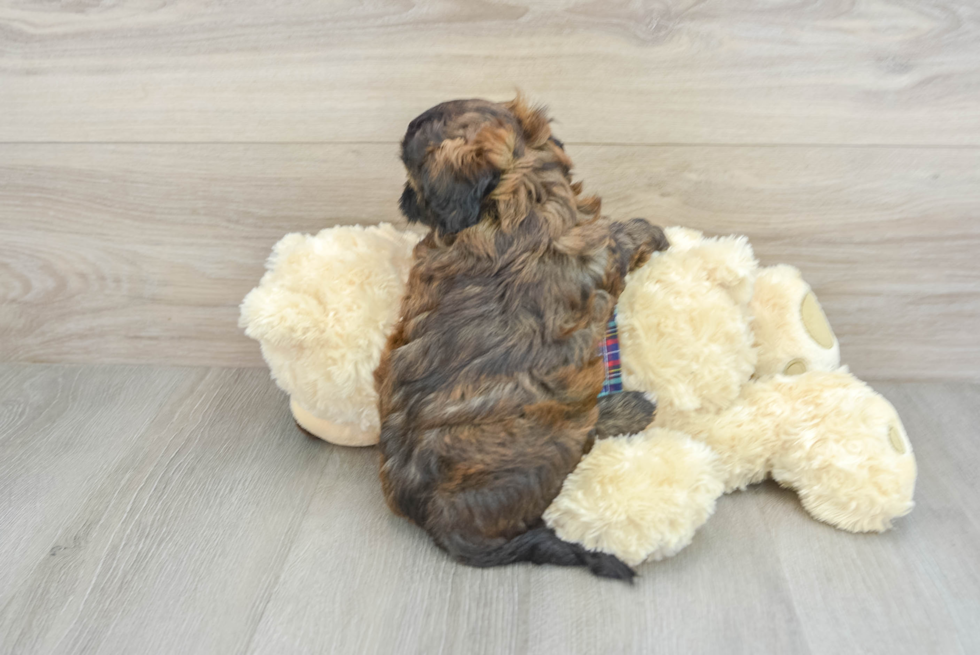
{"x": 541, "y": 545}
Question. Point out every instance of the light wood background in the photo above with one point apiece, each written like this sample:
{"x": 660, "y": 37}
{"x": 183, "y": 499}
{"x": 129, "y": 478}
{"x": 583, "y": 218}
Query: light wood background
{"x": 152, "y": 152}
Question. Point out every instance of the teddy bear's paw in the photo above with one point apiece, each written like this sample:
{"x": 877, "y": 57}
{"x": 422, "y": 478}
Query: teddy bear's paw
{"x": 640, "y": 497}
{"x": 792, "y": 332}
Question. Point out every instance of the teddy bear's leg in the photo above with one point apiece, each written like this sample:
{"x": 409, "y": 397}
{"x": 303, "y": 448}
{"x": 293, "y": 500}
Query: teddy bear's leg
{"x": 639, "y": 497}
{"x": 626, "y": 412}
{"x": 684, "y": 327}
{"x": 845, "y": 452}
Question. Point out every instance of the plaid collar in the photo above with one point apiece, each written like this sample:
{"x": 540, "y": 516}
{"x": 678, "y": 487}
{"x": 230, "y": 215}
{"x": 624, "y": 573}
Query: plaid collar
{"x": 609, "y": 349}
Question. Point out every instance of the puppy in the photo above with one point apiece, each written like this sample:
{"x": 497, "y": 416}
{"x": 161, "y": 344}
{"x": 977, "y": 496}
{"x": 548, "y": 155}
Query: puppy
{"x": 488, "y": 384}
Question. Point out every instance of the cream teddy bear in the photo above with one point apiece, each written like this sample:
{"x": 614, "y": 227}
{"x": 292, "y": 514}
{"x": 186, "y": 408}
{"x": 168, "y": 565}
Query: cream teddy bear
{"x": 322, "y": 314}
{"x": 745, "y": 365}
{"x": 742, "y": 359}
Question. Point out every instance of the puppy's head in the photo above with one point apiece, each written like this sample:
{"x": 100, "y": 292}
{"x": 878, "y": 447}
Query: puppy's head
{"x": 456, "y": 153}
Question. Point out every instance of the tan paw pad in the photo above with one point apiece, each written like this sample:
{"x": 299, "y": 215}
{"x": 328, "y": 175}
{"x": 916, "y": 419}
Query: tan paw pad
{"x": 816, "y": 322}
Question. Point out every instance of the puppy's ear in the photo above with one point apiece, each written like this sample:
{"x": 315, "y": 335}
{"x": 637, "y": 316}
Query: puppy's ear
{"x": 451, "y": 180}
{"x": 409, "y": 204}
{"x": 454, "y": 202}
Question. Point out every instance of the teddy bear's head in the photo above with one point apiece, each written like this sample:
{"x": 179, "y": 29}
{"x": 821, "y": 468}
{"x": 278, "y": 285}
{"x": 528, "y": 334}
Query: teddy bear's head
{"x": 685, "y": 322}
{"x": 322, "y": 313}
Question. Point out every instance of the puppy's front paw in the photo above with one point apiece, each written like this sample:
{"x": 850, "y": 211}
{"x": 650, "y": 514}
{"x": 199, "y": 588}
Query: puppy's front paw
{"x": 644, "y": 239}
{"x": 647, "y": 235}
{"x": 627, "y": 412}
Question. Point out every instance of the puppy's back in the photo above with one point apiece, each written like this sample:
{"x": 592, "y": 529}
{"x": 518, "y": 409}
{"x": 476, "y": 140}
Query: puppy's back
{"x": 489, "y": 383}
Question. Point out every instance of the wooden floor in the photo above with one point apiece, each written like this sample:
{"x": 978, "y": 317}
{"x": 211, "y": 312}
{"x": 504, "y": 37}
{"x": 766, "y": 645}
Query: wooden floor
{"x": 179, "y": 510}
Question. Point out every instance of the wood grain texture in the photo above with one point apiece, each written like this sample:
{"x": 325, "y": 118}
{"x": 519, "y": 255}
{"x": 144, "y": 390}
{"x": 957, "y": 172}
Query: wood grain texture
{"x": 61, "y": 431}
{"x": 339, "y": 595}
{"x": 163, "y": 510}
{"x": 681, "y": 71}
{"x": 931, "y": 557}
{"x": 141, "y": 252}
{"x": 166, "y": 538}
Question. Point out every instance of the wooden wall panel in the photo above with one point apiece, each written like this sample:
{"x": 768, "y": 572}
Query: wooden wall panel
{"x": 142, "y": 252}
{"x": 614, "y": 71}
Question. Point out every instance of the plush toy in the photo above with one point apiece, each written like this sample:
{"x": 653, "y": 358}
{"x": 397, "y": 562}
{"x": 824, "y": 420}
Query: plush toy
{"x": 742, "y": 360}
{"x": 322, "y": 314}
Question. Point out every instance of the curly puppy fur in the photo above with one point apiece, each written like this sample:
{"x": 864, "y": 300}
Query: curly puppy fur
{"x": 488, "y": 384}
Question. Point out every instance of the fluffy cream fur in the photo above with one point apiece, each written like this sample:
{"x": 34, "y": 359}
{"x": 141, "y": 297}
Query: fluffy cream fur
{"x": 824, "y": 433}
{"x": 322, "y": 313}
{"x": 684, "y": 325}
{"x": 827, "y": 435}
{"x": 640, "y": 497}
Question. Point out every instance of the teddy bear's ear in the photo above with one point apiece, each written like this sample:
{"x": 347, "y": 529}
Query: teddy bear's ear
{"x": 726, "y": 261}
{"x": 730, "y": 263}
{"x": 682, "y": 238}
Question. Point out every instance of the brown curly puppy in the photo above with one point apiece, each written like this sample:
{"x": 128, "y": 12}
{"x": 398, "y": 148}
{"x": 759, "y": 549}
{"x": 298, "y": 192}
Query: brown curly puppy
{"x": 488, "y": 386}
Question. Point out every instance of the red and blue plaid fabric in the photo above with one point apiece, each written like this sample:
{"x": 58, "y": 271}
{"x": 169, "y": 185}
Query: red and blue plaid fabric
{"x": 609, "y": 349}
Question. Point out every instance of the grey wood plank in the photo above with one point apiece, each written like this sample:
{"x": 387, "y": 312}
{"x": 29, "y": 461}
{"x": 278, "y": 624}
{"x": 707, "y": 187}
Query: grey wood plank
{"x": 62, "y": 429}
{"x": 177, "y": 543}
{"x": 179, "y": 510}
{"x": 915, "y": 589}
{"x": 719, "y": 595}
{"x": 761, "y": 576}
{"x": 141, "y": 253}
{"x": 946, "y": 416}
{"x": 356, "y": 576}
{"x": 678, "y": 71}
{"x": 360, "y": 580}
